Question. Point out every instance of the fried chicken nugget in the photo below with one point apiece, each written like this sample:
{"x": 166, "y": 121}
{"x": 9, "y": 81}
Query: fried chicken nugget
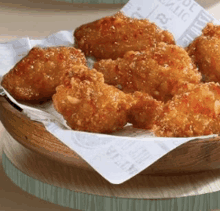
{"x": 159, "y": 71}
{"x": 88, "y": 104}
{"x": 205, "y": 52}
{"x": 144, "y": 111}
{"x": 36, "y": 76}
{"x": 112, "y": 36}
{"x": 193, "y": 113}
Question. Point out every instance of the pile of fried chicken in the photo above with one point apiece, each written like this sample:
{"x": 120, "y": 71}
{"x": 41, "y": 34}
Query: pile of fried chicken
{"x": 140, "y": 77}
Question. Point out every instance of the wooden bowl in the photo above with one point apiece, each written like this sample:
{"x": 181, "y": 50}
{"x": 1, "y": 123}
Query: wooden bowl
{"x": 193, "y": 156}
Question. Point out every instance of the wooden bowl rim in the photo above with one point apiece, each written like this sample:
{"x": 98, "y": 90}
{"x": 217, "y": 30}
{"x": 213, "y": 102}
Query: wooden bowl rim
{"x": 65, "y": 155}
{"x": 5, "y": 99}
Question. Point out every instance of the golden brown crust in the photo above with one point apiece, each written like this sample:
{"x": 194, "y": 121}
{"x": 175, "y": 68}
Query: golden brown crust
{"x": 36, "y": 76}
{"x": 144, "y": 111}
{"x": 88, "y": 104}
{"x": 111, "y": 37}
{"x": 160, "y": 71}
{"x": 205, "y": 52}
{"x": 194, "y": 113}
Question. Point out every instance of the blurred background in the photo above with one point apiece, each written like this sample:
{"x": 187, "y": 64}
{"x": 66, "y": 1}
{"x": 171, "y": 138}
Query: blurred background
{"x": 37, "y": 18}
{"x": 48, "y": 16}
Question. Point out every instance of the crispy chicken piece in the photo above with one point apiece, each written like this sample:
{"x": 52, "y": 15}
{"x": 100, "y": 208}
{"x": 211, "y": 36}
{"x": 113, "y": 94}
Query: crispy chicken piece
{"x": 36, "y": 76}
{"x": 144, "y": 110}
{"x": 160, "y": 71}
{"x": 194, "y": 113}
{"x": 205, "y": 52}
{"x": 88, "y": 104}
{"x": 112, "y": 36}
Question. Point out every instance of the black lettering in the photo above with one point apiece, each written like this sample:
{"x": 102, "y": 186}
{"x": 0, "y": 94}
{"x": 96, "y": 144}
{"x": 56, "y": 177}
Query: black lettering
{"x": 170, "y": 4}
{"x": 185, "y": 17}
{"x": 111, "y": 151}
{"x": 163, "y": 1}
{"x": 125, "y": 166}
{"x": 137, "y": 15}
{"x": 177, "y": 11}
{"x": 132, "y": 169}
{"x": 162, "y": 17}
{"x": 118, "y": 160}
{"x": 198, "y": 25}
{"x": 186, "y": 3}
{"x": 186, "y": 40}
{"x": 191, "y": 9}
{"x": 143, "y": 158}
{"x": 196, "y": 31}
{"x": 181, "y": 12}
{"x": 204, "y": 18}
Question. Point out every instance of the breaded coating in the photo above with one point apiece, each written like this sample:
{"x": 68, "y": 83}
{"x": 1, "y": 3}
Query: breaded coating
{"x": 144, "y": 111}
{"x": 160, "y": 71}
{"x": 194, "y": 113}
{"x": 36, "y": 76}
{"x": 111, "y": 37}
{"x": 205, "y": 52}
{"x": 88, "y": 104}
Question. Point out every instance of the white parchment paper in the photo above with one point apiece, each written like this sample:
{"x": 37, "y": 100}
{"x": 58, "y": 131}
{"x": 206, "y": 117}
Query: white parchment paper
{"x": 121, "y": 155}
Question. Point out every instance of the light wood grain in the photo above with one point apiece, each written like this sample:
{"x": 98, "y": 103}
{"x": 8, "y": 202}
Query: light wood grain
{"x": 14, "y": 198}
{"x": 194, "y": 156}
{"x": 139, "y": 187}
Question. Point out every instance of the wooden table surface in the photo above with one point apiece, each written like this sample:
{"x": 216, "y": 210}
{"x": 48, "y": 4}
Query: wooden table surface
{"x": 13, "y": 198}
{"x": 36, "y": 18}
